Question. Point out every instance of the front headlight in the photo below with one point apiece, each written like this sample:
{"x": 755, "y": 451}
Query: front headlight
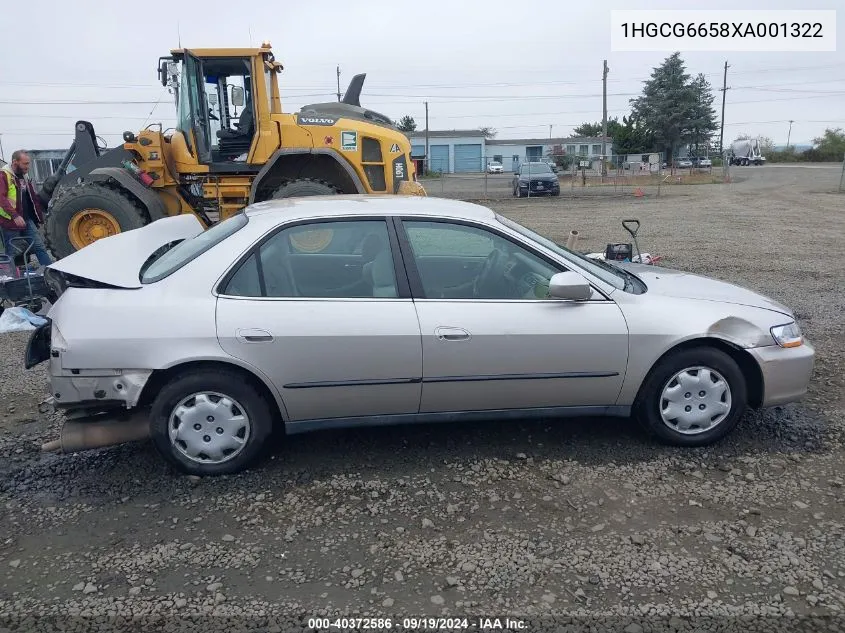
{"x": 787, "y": 335}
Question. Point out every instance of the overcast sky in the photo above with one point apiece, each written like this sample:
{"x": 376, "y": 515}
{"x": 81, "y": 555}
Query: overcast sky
{"x": 515, "y": 66}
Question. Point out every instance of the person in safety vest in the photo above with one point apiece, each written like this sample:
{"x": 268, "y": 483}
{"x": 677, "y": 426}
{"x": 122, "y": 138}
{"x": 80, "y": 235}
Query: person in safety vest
{"x": 21, "y": 209}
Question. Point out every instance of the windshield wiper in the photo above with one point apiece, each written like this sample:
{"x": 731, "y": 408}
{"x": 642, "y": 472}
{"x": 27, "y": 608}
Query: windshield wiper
{"x": 630, "y": 278}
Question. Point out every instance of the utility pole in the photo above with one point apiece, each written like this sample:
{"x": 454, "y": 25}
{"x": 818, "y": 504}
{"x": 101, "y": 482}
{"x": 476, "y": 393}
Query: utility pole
{"x": 427, "y": 165}
{"x": 604, "y": 114}
{"x": 722, "y": 130}
{"x": 788, "y": 136}
{"x": 338, "y": 83}
{"x": 550, "y": 132}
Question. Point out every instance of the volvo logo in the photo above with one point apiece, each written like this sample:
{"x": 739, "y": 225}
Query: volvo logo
{"x": 316, "y": 120}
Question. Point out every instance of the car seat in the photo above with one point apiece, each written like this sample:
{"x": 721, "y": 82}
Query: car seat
{"x": 380, "y": 273}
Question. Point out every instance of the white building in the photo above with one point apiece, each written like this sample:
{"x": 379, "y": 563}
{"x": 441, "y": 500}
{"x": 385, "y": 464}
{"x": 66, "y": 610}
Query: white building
{"x": 453, "y": 151}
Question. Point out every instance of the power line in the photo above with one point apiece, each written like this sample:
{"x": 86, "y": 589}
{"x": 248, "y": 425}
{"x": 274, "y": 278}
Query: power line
{"x": 449, "y": 86}
{"x": 397, "y": 99}
{"x": 66, "y": 116}
{"x": 4, "y": 102}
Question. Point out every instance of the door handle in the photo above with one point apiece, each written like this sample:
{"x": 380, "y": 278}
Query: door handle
{"x": 254, "y": 336}
{"x": 451, "y": 334}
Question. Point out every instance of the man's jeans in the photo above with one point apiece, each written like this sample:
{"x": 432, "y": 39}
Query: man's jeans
{"x": 33, "y": 239}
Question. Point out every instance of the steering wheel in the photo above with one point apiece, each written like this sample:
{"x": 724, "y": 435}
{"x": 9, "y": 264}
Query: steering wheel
{"x": 492, "y": 268}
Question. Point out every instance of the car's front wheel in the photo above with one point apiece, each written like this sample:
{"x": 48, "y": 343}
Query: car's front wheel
{"x": 694, "y": 397}
{"x": 210, "y": 422}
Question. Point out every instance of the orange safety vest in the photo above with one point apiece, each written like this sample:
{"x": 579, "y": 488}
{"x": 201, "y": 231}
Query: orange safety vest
{"x": 12, "y": 193}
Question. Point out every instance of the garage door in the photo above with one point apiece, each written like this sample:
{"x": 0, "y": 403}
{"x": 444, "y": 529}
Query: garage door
{"x": 439, "y": 158}
{"x": 534, "y": 153}
{"x": 417, "y": 151}
{"x": 468, "y": 157}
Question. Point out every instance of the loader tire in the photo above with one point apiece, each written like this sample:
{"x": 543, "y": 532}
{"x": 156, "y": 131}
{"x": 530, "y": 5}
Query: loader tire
{"x": 304, "y": 187}
{"x": 87, "y": 212}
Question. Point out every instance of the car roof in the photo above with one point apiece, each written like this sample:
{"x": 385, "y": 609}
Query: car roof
{"x": 351, "y": 205}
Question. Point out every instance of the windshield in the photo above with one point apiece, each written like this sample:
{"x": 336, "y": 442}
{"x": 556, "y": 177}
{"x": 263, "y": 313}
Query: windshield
{"x": 536, "y": 168}
{"x": 161, "y": 265}
{"x": 616, "y": 277}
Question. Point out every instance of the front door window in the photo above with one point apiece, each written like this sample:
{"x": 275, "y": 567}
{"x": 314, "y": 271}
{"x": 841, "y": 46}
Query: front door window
{"x": 491, "y": 337}
{"x": 457, "y": 261}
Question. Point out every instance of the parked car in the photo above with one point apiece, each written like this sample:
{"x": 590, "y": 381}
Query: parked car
{"x": 702, "y": 163}
{"x": 535, "y": 179}
{"x": 684, "y": 163}
{"x": 314, "y": 313}
{"x": 495, "y": 168}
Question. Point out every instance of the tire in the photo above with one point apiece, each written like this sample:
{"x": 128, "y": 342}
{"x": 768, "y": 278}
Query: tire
{"x": 109, "y": 202}
{"x": 247, "y": 400}
{"x": 304, "y": 187}
{"x": 648, "y": 406}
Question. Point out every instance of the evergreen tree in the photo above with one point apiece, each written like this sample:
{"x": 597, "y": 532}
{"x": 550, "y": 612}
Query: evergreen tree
{"x": 675, "y": 108}
{"x": 407, "y": 124}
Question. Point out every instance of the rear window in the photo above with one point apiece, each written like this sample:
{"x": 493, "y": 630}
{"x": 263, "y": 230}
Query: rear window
{"x": 171, "y": 260}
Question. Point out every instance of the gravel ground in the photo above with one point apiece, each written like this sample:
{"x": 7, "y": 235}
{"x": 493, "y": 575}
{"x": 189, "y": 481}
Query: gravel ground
{"x": 572, "y": 525}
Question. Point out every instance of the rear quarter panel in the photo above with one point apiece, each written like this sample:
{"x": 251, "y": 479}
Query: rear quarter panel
{"x": 157, "y": 326}
{"x": 147, "y": 328}
{"x": 152, "y": 327}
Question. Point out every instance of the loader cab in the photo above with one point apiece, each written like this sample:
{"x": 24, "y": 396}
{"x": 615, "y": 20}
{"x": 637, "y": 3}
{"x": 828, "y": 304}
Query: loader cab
{"x": 220, "y": 107}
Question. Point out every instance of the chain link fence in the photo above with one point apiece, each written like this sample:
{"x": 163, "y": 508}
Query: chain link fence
{"x": 484, "y": 178}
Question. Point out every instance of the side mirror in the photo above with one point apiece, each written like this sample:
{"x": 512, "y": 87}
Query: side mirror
{"x": 569, "y": 285}
{"x": 237, "y": 96}
{"x": 162, "y": 73}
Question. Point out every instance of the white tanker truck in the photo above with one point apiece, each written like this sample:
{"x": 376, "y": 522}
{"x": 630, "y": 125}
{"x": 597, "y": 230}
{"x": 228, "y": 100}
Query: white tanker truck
{"x": 746, "y": 152}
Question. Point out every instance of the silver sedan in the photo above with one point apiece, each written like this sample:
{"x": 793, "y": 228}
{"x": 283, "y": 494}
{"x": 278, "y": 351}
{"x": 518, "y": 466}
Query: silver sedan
{"x": 328, "y": 312}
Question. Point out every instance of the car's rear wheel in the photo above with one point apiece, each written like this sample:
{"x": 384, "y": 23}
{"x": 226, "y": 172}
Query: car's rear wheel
{"x": 210, "y": 422}
{"x": 693, "y": 397}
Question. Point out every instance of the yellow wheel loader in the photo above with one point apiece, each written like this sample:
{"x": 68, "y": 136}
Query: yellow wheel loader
{"x": 232, "y": 146}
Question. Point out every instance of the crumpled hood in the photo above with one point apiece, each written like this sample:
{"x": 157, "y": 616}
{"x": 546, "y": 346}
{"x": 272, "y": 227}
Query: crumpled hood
{"x": 117, "y": 260}
{"x": 683, "y": 285}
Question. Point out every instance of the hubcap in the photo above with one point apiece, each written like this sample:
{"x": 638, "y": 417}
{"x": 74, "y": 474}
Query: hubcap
{"x": 89, "y": 225}
{"x": 695, "y": 400}
{"x": 209, "y": 427}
